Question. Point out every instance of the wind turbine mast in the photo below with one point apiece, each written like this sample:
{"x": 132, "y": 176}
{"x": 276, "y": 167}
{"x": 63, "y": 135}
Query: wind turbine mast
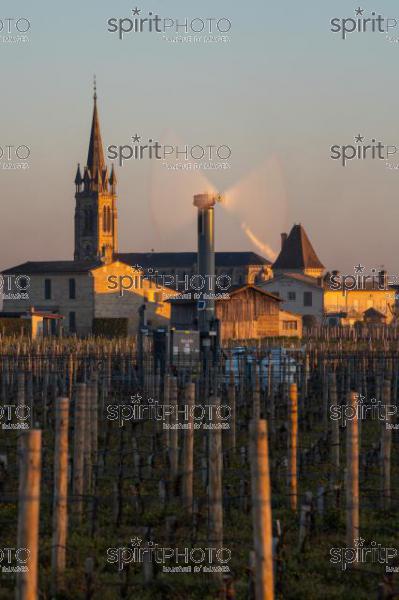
{"x": 207, "y": 323}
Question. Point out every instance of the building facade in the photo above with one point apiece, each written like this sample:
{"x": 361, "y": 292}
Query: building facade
{"x": 352, "y": 305}
{"x": 248, "y": 313}
{"x": 297, "y": 277}
{"x": 297, "y": 255}
{"x": 300, "y": 294}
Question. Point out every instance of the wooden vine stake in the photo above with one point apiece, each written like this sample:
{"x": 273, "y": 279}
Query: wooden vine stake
{"x": 261, "y": 511}
{"x": 292, "y": 447}
{"x": 60, "y": 501}
{"x": 79, "y": 447}
{"x": 231, "y": 394}
{"x": 352, "y": 472}
{"x": 173, "y": 434}
{"x": 386, "y": 447}
{"x": 334, "y": 426}
{"x": 188, "y": 450}
{"x": 215, "y": 491}
{"x": 28, "y": 513}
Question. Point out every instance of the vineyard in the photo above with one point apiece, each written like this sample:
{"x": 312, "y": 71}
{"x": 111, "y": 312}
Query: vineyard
{"x": 268, "y": 473}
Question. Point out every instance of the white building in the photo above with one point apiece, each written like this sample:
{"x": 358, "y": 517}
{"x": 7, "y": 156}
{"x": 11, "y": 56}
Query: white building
{"x": 299, "y": 293}
{"x": 298, "y": 276}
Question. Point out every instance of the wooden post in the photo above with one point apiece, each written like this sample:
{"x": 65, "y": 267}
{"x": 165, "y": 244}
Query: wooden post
{"x": 352, "y": 474}
{"x": 231, "y": 395}
{"x": 21, "y": 389}
{"x": 70, "y": 374}
{"x": 215, "y": 491}
{"x": 256, "y": 394}
{"x": 334, "y": 426}
{"x": 325, "y": 415}
{"x": 21, "y": 403}
{"x": 60, "y": 501}
{"x": 261, "y": 511}
{"x": 87, "y": 481}
{"x": 292, "y": 447}
{"x": 166, "y": 402}
{"x": 305, "y": 520}
{"x": 188, "y": 450}
{"x": 386, "y": 446}
{"x": 174, "y": 433}
{"x": 94, "y": 417}
{"x": 78, "y": 448}
{"x": 28, "y": 513}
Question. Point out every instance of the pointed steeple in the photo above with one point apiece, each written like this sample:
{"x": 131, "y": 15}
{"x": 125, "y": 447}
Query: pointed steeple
{"x": 112, "y": 178}
{"x": 104, "y": 181}
{"x": 95, "y": 157}
{"x": 78, "y": 178}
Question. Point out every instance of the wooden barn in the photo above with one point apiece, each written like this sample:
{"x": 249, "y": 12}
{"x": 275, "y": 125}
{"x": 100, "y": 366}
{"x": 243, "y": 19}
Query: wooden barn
{"x": 246, "y": 312}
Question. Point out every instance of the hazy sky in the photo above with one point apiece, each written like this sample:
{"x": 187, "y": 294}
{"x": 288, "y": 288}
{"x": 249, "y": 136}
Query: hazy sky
{"x": 280, "y": 93}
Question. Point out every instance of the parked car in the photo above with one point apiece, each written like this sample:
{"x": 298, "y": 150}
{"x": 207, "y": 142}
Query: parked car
{"x": 283, "y": 366}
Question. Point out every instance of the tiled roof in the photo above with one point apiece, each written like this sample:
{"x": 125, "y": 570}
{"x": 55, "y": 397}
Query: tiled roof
{"x": 297, "y": 252}
{"x": 53, "y": 267}
{"x": 144, "y": 259}
{"x": 189, "y": 259}
{"x": 298, "y": 276}
{"x": 229, "y": 292}
{"x": 373, "y": 312}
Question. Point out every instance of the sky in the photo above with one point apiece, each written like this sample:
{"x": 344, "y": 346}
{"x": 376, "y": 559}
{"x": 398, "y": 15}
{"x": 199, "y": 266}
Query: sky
{"x": 279, "y": 93}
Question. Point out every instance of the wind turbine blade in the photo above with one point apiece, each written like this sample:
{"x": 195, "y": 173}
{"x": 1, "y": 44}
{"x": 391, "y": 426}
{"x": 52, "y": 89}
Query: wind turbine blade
{"x": 258, "y": 202}
{"x": 171, "y": 199}
{"x": 261, "y": 246}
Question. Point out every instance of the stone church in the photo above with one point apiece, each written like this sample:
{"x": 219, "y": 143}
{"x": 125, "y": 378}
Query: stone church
{"x": 79, "y": 290}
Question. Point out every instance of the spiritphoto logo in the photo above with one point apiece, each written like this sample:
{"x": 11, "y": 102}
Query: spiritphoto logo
{"x": 362, "y": 410}
{"x": 360, "y": 554}
{"x": 376, "y": 280}
{"x": 15, "y": 416}
{"x": 159, "y": 281}
{"x": 13, "y": 30}
{"x": 191, "y": 30}
{"x": 14, "y": 560}
{"x": 173, "y": 416}
{"x": 173, "y": 157}
{"x": 14, "y": 157}
{"x": 366, "y": 22}
{"x": 14, "y": 287}
{"x": 173, "y": 560}
{"x": 364, "y": 150}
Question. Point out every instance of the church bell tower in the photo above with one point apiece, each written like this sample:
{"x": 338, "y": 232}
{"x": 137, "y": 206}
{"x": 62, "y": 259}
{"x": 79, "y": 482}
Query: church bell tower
{"x": 96, "y": 218}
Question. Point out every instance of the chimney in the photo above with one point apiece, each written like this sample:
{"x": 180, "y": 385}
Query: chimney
{"x": 283, "y": 239}
{"x": 382, "y": 277}
{"x": 206, "y": 258}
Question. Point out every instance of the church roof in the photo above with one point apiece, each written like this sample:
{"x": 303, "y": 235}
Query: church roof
{"x": 297, "y": 252}
{"x": 188, "y": 259}
{"x": 152, "y": 260}
{"x": 52, "y": 266}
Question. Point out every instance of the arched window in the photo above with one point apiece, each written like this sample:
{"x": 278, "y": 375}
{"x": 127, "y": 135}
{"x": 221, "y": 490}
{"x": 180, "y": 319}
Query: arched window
{"x": 105, "y": 219}
{"x": 109, "y": 220}
{"x": 88, "y": 221}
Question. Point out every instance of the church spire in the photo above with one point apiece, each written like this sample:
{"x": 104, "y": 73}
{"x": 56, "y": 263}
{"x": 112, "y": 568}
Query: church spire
{"x": 96, "y": 212}
{"x": 95, "y": 157}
